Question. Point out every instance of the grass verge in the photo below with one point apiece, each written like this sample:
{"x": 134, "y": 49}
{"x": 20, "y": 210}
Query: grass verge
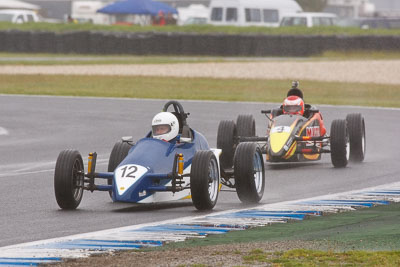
{"x": 334, "y": 93}
{"x": 366, "y": 237}
{"x": 200, "y": 29}
{"x": 372, "y": 229}
{"x": 302, "y": 257}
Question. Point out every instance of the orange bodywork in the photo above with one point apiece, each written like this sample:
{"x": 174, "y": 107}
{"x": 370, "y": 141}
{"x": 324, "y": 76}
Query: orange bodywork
{"x": 322, "y": 132}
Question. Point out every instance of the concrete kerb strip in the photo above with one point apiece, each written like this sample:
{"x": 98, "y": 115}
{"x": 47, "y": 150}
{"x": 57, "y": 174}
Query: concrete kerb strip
{"x": 176, "y": 230}
{"x": 372, "y": 71}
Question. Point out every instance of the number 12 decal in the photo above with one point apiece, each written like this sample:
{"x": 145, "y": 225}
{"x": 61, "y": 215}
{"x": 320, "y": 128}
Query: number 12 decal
{"x": 132, "y": 170}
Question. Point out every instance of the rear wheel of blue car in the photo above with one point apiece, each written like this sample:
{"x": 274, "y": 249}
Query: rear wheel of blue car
{"x": 69, "y": 179}
{"x": 118, "y": 154}
{"x": 204, "y": 180}
{"x": 356, "y": 127}
{"x": 249, "y": 173}
{"x": 226, "y": 140}
{"x": 340, "y": 143}
{"x": 246, "y": 125}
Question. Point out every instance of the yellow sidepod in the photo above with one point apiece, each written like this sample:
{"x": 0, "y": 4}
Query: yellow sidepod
{"x": 278, "y": 141}
{"x": 279, "y": 137}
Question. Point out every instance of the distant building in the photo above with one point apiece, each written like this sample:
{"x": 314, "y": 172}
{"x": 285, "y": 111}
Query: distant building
{"x": 54, "y": 9}
{"x": 387, "y": 8}
{"x": 351, "y": 8}
{"x": 185, "y": 3}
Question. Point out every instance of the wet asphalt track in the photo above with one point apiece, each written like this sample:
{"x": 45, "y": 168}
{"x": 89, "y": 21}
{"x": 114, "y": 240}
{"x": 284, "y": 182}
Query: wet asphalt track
{"x": 39, "y": 127}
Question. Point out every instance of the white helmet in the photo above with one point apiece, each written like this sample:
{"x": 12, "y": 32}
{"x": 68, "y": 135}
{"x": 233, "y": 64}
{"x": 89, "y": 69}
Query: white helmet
{"x": 165, "y": 126}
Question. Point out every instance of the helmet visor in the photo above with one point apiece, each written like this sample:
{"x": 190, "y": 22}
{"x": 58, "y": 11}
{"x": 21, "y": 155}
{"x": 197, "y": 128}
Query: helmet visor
{"x": 161, "y": 129}
{"x": 292, "y": 109}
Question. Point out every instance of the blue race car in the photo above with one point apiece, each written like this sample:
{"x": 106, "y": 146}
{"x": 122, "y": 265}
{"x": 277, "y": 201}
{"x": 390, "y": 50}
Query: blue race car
{"x": 153, "y": 169}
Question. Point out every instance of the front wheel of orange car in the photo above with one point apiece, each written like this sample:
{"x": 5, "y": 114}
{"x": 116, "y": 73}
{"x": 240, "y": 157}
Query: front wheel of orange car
{"x": 249, "y": 173}
{"x": 356, "y": 126}
{"x": 340, "y": 143}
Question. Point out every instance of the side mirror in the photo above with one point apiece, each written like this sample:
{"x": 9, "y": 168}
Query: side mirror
{"x": 185, "y": 140}
{"x": 127, "y": 139}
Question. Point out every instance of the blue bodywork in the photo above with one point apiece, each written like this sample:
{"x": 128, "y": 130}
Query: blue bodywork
{"x": 158, "y": 157}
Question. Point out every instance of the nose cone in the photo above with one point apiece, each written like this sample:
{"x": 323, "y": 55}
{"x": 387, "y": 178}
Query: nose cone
{"x": 126, "y": 176}
{"x": 278, "y": 141}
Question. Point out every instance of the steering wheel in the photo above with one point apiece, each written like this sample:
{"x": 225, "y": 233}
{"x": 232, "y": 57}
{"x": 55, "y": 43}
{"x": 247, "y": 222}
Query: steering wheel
{"x": 178, "y": 108}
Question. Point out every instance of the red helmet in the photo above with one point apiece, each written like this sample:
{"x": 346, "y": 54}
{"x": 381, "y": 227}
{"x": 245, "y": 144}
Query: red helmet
{"x": 293, "y": 105}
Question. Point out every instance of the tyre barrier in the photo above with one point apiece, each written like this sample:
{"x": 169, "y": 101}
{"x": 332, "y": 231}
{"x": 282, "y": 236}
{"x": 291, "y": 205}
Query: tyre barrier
{"x": 151, "y": 43}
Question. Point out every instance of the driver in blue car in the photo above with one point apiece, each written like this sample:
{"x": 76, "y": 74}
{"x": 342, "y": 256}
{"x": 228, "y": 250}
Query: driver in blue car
{"x": 165, "y": 126}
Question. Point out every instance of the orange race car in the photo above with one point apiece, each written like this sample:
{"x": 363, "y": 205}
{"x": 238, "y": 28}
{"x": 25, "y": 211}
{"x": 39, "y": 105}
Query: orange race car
{"x": 295, "y": 132}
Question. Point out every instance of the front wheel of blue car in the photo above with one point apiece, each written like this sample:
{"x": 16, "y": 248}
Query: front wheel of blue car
{"x": 69, "y": 179}
{"x": 204, "y": 180}
{"x": 249, "y": 172}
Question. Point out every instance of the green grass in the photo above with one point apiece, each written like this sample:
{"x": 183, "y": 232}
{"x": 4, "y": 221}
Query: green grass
{"x": 202, "y": 29}
{"x": 334, "y": 93}
{"x": 366, "y": 237}
{"x": 301, "y": 257}
{"x": 371, "y": 229}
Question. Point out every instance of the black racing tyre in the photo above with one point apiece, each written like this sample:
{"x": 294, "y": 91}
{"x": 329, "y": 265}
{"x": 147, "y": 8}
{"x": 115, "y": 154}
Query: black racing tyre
{"x": 246, "y": 126}
{"x": 226, "y": 141}
{"x": 204, "y": 180}
{"x": 356, "y": 127}
{"x": 118, "y": 154}
{"x": 69, "y": 178}
{"x": 249, "y": 173}
{"x": 340, "y": 146}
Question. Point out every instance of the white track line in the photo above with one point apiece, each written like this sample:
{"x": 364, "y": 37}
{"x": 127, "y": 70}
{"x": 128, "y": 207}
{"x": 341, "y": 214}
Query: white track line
{"x": 4, "y": 131}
